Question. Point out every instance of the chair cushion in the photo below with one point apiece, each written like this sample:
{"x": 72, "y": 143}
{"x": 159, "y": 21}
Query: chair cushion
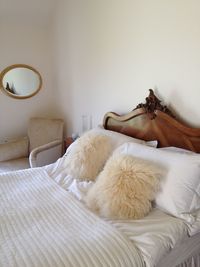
{"x": 13, "y": 165}
{"x": 14, "y": 149}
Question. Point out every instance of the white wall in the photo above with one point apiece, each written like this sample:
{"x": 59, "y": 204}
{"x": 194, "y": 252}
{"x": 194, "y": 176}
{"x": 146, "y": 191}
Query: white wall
{"x": 23, "y": 42}
{"x": 109, "y": 52}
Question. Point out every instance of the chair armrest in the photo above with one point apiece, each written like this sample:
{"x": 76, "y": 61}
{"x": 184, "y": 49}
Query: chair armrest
{"x": 46, "y": 154}
{"x": 14, "y": 149}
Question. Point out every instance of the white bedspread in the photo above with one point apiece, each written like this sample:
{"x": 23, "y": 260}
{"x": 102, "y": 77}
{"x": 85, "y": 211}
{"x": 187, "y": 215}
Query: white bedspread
{"x": 42, "y": 225}
{"x": 154, "y": 236}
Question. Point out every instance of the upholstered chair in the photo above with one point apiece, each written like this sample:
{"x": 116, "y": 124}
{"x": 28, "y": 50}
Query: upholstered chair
{"x": 43, "y": 145}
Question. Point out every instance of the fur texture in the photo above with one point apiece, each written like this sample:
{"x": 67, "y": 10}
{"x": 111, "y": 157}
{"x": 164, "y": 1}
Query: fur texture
{"x": 87, "y": 156}
{"x": 125, "y": 188}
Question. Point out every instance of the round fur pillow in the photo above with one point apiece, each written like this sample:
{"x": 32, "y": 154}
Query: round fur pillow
{"x": 86, "y": 157}
{"x": 125, "y": 188}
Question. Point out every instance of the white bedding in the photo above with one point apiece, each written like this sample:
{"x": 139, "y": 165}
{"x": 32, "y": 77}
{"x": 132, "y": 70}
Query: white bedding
{"x": 159, "y": 237}
{"x": 43, "y": 225}
{"x": 155, "y": 236}
{"x": 186, "y": 254}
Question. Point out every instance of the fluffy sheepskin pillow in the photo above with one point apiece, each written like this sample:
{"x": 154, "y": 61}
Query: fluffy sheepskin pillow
{"x": 87, "y": 156}
{"x": 125, "y": 188}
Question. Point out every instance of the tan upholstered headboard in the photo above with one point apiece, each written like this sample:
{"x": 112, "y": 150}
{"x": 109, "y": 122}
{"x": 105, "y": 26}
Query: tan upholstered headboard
{"x": 154, "y": 121}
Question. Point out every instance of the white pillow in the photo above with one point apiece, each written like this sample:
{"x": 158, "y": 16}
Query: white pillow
{"x": 195, "y": 227}
{"x": 116, "y": 138}
{"x": 177, "y": 150}
{"x": 153, "y": 143}
{"x": 86, "y": 156}
{"x": 180, "y": 187}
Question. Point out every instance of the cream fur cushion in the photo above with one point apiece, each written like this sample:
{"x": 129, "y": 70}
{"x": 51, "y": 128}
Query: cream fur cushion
{"x": 125, "y": 188}
{"x": 87, "y": 156}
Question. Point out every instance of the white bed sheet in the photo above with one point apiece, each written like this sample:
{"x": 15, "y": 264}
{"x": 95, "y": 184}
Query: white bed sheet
{"x": 159, "y": 237}
{"x": 155, "y": 236}
{"x": 186, "y": 254}
{"x": 162, "y": 240}
{"x": 195, "y": 227}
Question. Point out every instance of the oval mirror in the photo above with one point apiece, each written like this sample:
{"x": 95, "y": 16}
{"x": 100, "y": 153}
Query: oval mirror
{"x": 20, "y": 81}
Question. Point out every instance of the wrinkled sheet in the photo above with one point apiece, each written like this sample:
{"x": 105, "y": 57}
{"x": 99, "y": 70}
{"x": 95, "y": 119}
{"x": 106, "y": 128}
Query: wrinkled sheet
{"x": 155, "y": 235}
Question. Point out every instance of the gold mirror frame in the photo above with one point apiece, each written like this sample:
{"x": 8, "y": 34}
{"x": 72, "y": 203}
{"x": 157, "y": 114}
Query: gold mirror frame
{"x": 6, "y": 70}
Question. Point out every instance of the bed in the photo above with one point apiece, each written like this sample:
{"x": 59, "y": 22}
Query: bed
{"x": 44, "y": 220}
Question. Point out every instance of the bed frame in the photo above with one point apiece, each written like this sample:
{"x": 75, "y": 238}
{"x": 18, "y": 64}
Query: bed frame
{"x": 154, "y": 121}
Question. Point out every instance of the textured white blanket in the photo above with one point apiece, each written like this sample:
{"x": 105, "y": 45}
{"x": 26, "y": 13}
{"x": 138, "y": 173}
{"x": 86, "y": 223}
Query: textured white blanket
{"x": 42, "y": 225}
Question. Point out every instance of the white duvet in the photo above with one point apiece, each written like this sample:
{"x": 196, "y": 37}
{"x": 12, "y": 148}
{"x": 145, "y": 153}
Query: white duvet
{"x": 154, "y": 236}
{"x": 43, "y": 225}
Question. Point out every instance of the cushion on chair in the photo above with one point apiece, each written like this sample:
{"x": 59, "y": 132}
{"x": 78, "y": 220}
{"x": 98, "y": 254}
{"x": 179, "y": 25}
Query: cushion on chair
{"x": 13, "y": 165}
{"x": 14, "y": 149}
